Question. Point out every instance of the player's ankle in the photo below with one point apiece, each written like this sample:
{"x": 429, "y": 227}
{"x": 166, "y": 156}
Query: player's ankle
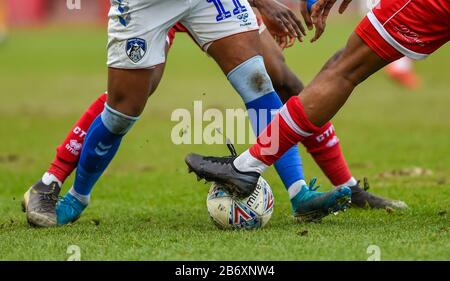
{"x": 48, "y": 178}
{"x": 61, "y": 169}
{"x": 351, "y": 182}
{"x": 246, "y": 162}
{"x": 296, "y": 188}
{"x": 84, "y": 199}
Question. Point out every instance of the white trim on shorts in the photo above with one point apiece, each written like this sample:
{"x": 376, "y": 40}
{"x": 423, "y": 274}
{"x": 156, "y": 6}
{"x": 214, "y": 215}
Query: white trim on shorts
{"x": 391, "y": 41}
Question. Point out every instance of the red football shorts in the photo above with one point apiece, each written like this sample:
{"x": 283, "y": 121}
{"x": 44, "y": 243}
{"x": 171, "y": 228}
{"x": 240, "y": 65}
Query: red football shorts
{"x": 412, "y": 28}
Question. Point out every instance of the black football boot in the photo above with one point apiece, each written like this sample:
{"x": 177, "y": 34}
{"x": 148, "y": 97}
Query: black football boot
{"x": 39, "y": 204}
{"x": 223, "y": 171}
{"x": 361, "y": 198}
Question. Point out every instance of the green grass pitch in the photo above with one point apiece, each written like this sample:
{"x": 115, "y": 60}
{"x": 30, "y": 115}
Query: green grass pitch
{"x": 147, "y": 207}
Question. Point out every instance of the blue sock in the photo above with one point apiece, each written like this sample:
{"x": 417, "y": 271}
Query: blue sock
{"x": 251, "y": 81}
{"x": 289, "y": 167}
{"x": 101, "y": 144}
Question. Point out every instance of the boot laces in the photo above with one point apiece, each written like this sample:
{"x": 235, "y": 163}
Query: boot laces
{"x": 312, "y": 182}
{"x": 366, "y": 184}
{"x": 231, "y": 148}
{"x": 48, "y": 200}
{"x": 225, "y": 159}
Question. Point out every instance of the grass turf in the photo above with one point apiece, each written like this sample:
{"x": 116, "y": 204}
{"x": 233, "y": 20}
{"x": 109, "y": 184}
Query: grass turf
{"x": 147, "y": 207}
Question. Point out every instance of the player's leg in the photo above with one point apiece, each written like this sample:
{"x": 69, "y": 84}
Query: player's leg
{"x": 244, "y": 66}
{"x": 68, "y": 152}
{"x": 325, "y": 150}
{"x": 323, "y": 146}
{"x": 285, "y": 82}
{"x": 322, "y": 98}
{"x": 67, "y": 156}
{"x": 329, "y": 90}
{"x": 290, "y": 167}
{"x": 376, "y": 45}
{"x": 66, "y": 160}
{"x": 356, "y": 63}
{"x": 130, "y": 83}
{"x": 250, "y": 79}
{"x": 379, "y": 36}
{"x": 329, "y": 157}
{"x": 132, "y": 77}
{"x": 284, "y": 131}
{"x": 128, "y": 90}
{"x": 305, "y": 200}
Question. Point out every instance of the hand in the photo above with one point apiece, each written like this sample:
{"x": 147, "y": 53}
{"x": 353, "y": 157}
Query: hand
{"x": 305, "y": 11}
{"x": 280, "y": 21}
{"x": 284, "y": 42}
{"x": 318, "y": 15}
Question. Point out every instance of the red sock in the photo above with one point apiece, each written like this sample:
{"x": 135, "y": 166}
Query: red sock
{"x": 290, "y": 126}
{"x": 325, "y": 149}
{"x": 68, "y": 153}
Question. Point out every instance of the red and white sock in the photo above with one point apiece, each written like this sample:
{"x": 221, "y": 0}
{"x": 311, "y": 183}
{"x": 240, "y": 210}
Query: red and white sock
{"x": 324, "y": 147}
{"x": 68, "y": 153}
{"x": 289, "y": 126}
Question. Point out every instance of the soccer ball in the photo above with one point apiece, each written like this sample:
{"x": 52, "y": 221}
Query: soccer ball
{"x": 229, "y": 212}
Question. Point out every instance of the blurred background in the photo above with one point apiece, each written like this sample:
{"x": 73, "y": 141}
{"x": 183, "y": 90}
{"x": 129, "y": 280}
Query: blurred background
{"x": 40, "y": 12}
{"x": 53, "y": 65}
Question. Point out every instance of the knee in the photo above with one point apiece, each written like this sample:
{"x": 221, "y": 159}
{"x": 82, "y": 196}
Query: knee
{"x": 287, "y": 86}
{"x": 130, "y": 100}
{"x": 128, "y": 90}
{"x": 127, "y": 103}
{"x": 284, "y": 81}
{"x": 117, "y": 122}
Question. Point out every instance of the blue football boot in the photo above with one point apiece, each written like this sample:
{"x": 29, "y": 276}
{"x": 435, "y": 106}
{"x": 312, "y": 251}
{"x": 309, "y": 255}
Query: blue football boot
{"x": 68, "y": 209}
{"x": 311, "y": 206}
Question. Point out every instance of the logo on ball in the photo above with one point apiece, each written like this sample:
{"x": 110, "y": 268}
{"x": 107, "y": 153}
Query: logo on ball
{"x": 230, "y": 212}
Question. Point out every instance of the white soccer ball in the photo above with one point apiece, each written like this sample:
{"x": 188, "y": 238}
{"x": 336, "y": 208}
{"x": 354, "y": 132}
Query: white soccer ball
{"x": 229, "y": 212}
